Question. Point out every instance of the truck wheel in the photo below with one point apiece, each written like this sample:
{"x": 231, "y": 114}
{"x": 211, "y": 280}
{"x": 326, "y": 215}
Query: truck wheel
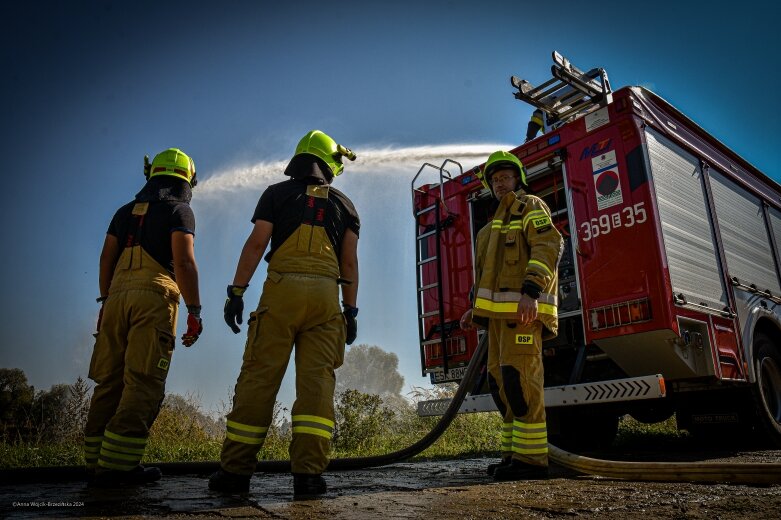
{"x": 767, "y": 392}
{"x": 653, "y": 414}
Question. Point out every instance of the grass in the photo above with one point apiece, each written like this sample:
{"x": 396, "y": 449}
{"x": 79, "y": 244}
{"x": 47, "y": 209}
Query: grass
{"x": 22, "y": 454}
{"x": 366, "y": 426}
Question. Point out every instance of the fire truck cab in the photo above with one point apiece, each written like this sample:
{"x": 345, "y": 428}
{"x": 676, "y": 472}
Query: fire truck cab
{"x": 669, "y": 286}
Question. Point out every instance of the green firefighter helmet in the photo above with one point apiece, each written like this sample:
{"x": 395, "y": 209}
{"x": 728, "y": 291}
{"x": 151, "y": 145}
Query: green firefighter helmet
{"x": 325, "y": 148}
{"x": 173, "y": 162}
{"x": 497, "y": 161}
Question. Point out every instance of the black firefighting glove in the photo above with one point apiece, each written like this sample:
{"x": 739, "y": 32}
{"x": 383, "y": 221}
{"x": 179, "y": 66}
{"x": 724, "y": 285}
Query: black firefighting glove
{"x": 234, "y": 306}
{"x": 194, "y": 325}
{"x": 101, "y": 301}
{"x": 350, "y": 314}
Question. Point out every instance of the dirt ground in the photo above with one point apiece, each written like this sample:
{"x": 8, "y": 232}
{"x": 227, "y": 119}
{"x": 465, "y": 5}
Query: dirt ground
{"x": 453, "y": 489}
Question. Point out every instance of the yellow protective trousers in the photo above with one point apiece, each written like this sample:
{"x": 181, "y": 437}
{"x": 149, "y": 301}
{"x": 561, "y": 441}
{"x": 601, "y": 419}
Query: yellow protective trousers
{"x": 301, "y": 309}
{"x": 130, "y": 361}
{"x": 515, "y": 365}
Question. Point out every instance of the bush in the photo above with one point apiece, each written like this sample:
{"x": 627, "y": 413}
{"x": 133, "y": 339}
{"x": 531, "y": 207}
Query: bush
{"x": 362, "y": 422}
{"x": 368, "y": 425}
{"x": 468, "y": 434}
{"x": 179, "y": 434}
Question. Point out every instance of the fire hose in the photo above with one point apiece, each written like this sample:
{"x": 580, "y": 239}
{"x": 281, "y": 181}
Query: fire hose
{"x": 725, "y": 472}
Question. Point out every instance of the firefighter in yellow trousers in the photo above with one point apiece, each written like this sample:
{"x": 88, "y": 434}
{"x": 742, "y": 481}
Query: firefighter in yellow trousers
{"x": 146, "y": 263}
{"x": 313, "y": 230}
{"x": 516, "y": 282}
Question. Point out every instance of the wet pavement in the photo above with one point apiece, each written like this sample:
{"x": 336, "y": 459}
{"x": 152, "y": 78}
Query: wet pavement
{"x": 189, "y": 493}
{"x": 449, "y": 489}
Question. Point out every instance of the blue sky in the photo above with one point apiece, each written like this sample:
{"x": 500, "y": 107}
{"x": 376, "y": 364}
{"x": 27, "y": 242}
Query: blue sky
{"x": 88, "y": 88}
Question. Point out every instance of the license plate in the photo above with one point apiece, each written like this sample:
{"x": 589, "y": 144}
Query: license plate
{"x": 454, "y": 374}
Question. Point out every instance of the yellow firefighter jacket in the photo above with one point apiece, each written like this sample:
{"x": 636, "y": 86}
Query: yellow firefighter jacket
{"x": 519, "y": 245}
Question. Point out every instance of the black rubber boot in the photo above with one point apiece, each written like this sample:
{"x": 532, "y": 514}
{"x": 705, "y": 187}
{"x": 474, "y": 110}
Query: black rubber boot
{"x": 114, "y": 478}
{"x": 308, "y": 486}
{"x": 518, "y": 470}
{"x": 228, "y": 482}
{"x": 492, "y": 467}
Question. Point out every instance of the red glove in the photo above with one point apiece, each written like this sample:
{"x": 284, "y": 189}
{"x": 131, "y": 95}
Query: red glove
{"x": 194, "y": 325}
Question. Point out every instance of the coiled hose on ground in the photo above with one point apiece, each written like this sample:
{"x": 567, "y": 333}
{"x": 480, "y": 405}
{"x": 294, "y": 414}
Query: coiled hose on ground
{"x": 739, "y": 473}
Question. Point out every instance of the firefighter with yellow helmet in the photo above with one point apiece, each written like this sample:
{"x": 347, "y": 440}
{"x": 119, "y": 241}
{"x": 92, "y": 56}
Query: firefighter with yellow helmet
{"x": 312, "y": 229}
{"x": 517, "y": 257}
{"x": 146, "y": 264}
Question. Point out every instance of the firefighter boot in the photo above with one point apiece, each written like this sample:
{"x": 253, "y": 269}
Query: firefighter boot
{"x": 493, "y": 467}
{"x": 518, "y": 470}
{"x": 115, "y": 478}
{"x": 228, "y": 482}
{"x": 307, "y": 486}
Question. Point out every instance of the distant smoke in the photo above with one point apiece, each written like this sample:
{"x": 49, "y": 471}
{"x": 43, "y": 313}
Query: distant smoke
{"x": 370, "y": 161}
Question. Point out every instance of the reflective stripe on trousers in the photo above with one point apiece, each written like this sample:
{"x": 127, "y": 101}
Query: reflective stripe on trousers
{"x": 246, "y": 433}
{"x": 313, "y": 425}
{"x": 121, "y": 452}
{"x": 92, "y": 450}
{"x": 529, "y": 438}
{"x": 507, "y": 437}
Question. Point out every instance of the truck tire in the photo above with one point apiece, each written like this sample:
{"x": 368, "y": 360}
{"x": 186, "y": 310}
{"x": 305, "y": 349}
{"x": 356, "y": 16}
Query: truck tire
{"x": 652, "y": 414}
{"x": 767, "y": 391}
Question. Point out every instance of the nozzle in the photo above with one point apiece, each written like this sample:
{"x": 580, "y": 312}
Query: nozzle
{"x": 346, "y": 152}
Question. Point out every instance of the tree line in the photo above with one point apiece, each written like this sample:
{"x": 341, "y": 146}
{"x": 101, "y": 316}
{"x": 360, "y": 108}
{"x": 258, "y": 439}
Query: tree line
{"x": 44, "y": 415}
{"x": 59, "y": 414}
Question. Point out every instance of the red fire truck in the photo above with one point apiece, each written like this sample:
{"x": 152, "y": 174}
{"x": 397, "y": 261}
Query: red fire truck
{"x": 669, "y": 297}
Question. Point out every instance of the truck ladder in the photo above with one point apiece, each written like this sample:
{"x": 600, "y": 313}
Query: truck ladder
{"x": 569, "y": 94}
{"x": 439, "y": 224}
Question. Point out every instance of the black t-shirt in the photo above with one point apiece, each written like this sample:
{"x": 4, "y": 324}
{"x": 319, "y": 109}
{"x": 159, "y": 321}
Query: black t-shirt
{"x": 283, "y": 204}
{"x": 162, "y": 218}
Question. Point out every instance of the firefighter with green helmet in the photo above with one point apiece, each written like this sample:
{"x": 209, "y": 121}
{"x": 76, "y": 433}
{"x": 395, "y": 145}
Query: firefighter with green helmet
{"x": 312, "y": 229}
{"x": 146, "y": 264}
{"x": 516, "y": 284}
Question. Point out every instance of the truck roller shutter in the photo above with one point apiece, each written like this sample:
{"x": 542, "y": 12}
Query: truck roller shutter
{"x": 775, "y": 223}
{"x": 686, "y": 226}
{"x": 744, "y": 234}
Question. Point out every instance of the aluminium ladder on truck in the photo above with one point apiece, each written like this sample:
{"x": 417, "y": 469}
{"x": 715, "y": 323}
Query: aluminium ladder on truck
{"x": 569, "y": 94}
